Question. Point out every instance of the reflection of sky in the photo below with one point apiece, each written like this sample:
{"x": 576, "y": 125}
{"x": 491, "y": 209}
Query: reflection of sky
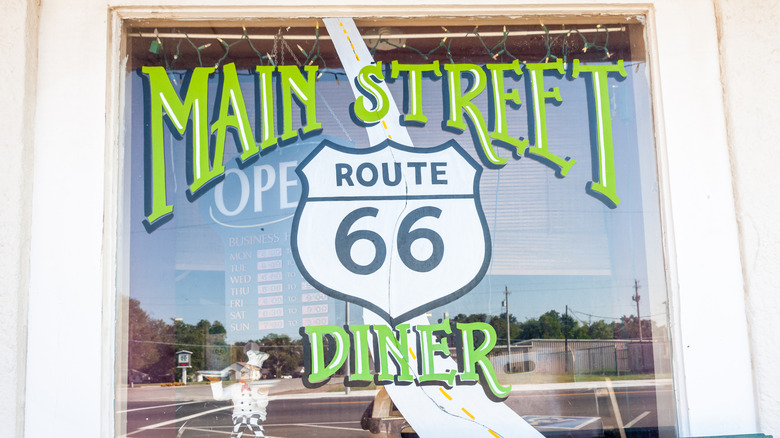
{"x": 553, "y": 244}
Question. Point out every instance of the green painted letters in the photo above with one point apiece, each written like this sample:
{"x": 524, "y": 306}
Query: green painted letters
{"x": 164, "y": 100}
{"x": 427, "y": 347}
{"x": 605, "y": 186}
{"x": 294, "y": 82}
{"x": 415, "y": 87}
{"x": 540, "y": 149}
{"x": 361, "y": 372}
{"x": 267, "y": 128}
{"x": 389, "y": 345}
{"x": 370, "y": 87}
{"x": 319, "y": 373}
{"x": 500, "y": 98}
{"x": 472, "y": 356}
{"x": 462, "y": 102}
{"x": 232, "y": 97}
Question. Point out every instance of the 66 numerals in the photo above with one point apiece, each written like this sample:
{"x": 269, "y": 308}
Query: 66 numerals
{"x": 345, "y": 240}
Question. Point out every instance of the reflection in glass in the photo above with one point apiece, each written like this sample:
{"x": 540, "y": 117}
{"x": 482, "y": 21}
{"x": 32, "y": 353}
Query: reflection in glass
{"x": 575, "y": 290}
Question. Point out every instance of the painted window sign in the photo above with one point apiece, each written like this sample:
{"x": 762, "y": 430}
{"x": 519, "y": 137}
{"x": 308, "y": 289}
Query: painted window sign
{"x": 456, "y": 219}
{"x": 302, "y": 85}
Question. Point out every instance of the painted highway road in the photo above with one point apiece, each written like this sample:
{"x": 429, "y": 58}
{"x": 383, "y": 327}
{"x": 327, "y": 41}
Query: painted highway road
{"x": 577, "y": 411}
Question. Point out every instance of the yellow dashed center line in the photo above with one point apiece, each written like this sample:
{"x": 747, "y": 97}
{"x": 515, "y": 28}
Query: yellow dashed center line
{"x": 350, "y": 42}
{"x": 449, "y": 397}
{"x": 385, "y": 126}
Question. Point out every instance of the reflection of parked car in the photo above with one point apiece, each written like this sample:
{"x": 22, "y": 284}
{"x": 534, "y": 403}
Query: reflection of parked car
{"x": 162, "y": 378}
{"x": 135, "y": 376}
{"x": 298, "y": 373}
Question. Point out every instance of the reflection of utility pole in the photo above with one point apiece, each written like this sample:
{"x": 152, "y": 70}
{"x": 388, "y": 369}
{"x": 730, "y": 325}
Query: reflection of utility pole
{"x": 636, "y": 298}
{"x": 347, "y": 371}
{"x": 508, "y": 347}
{"x": 566, "y": 339}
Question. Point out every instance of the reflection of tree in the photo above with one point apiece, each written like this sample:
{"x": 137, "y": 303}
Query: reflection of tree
{"x": 553, "y": 325}
{"x": 153, "y": 343}
{"x": 600, "y": 330}
{"x": 627, "y": 328}
{"x": 150, "y": 349}
{"x": 285, "y": 354}
{"x": 140, "y": 354}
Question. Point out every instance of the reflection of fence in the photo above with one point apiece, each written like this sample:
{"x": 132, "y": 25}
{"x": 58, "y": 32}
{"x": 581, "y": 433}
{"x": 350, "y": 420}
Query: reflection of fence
{"x": 582, "y": 357}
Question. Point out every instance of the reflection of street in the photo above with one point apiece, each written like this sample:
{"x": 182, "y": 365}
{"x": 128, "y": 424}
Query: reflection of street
{"x": 322, "y": 417}
{"x": 189, "y": 412}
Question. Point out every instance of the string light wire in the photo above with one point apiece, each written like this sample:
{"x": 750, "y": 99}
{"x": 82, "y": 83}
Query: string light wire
{"x": 552, "y": 37}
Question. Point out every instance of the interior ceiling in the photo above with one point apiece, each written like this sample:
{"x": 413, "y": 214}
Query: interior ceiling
{"x": 178, "y": 52}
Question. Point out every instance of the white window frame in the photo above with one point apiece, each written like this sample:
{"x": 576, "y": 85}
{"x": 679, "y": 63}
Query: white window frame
{"x": 73, "y": 289}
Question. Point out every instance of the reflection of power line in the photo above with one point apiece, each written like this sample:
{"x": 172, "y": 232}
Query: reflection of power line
{"x": 612, "y": 317}
{"x": 555, "y": 288}
{"x": 595, "y": 316}
{"x": 211, "y": 345}
{"x": 578, "y": 319}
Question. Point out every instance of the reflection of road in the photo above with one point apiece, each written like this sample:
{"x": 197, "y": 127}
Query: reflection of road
{"x": 322, "y": 417}
{"x": 336, "y": 415}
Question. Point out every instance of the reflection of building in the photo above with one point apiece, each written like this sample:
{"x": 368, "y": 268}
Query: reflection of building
{"x": 585, "y": 356}
{"x": 232, "y": 372}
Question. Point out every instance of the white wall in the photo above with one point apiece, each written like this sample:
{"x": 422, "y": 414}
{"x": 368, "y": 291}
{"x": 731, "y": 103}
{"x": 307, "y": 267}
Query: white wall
{"x": 69, "y": 285}
{"x": 700, "y": 225}
{"x": 66, "y": 294}
{"x": 750, "y": 64}
{"x": 18, "y": 51}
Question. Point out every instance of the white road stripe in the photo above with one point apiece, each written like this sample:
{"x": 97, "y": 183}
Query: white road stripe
{"x": 592, "y": 420}
{"x": 320, "y": 426}
{"x": 637, "y": 419}
{"x": 212, "y": 431}
{"x": 158, "y": 406}
{"x": 178, "y": 420}
{"x": 320, "y": 423}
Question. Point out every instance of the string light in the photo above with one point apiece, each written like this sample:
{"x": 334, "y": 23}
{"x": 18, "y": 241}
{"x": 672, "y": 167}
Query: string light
{"x": 254, "y": 49}
{"x": 499, "y": 50}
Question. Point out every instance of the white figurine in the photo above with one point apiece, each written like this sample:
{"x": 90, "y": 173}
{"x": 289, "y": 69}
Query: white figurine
{"x": 250, "y": 398}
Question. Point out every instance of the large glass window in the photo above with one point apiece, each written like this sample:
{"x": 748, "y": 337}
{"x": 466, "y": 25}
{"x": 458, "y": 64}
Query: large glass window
{"x": 438, "y": 226}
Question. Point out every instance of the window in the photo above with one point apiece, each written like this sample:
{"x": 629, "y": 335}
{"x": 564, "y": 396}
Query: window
{"x": 487, "y": 186}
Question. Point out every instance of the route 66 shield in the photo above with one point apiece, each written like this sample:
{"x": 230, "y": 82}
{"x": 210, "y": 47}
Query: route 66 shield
{"x": 397, "y": 230}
